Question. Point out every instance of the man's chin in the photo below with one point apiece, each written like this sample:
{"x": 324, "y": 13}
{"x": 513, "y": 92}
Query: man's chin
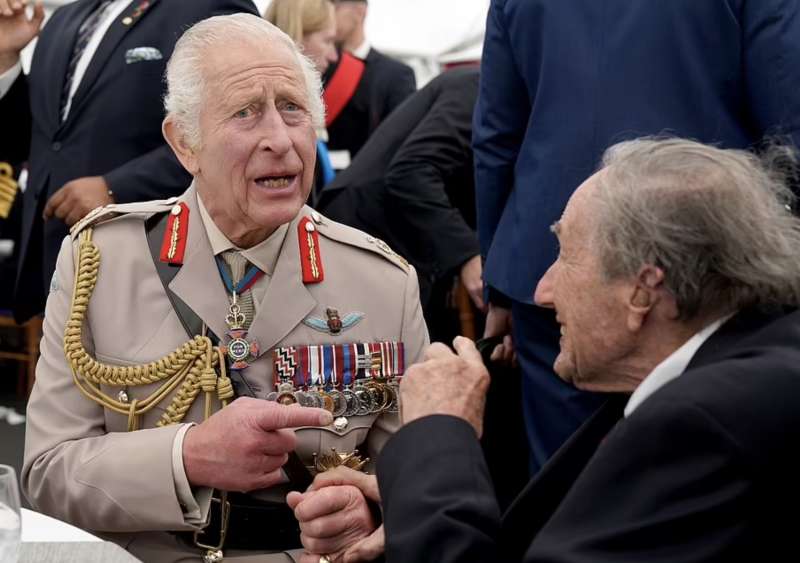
{"x": 565, "y": 372}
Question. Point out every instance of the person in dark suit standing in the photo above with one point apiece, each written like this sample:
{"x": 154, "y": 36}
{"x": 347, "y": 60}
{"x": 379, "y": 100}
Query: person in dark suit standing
{"x": 13, "y": 152}
{"x": 383, "y": 86}
{"x": 561, "y": 81}
{"x": 677, "y": 281}
{"x": 412, "y": 186}
{"x": 91, "y": 111}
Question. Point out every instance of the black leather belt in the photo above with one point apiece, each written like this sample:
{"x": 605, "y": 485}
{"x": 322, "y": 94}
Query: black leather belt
{"x": 252, "y": 525}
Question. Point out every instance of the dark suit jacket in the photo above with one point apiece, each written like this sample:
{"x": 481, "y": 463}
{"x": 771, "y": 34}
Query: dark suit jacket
{"x": 561, "y": 81}
{"x": 704, "y": 470}
{"x": 113, "y": 128}
{"x": 383, "y": 86}
{"x": 411, "y": 185}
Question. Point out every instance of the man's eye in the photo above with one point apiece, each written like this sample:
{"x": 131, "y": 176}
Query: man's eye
{"x": 291, "y": 106}
{"x": 243, "y": 113}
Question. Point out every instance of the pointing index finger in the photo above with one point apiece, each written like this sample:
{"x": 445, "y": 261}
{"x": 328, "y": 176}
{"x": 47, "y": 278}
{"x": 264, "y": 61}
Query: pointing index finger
{"x": 275, "y": 416}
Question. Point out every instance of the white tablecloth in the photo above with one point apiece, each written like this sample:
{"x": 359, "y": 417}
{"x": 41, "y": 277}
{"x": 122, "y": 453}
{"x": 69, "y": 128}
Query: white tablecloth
{"x": 37, "y": 527}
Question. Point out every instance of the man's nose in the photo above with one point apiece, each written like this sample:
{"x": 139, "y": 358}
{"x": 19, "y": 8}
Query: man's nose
{"x": 543, "y": 296}
{"x": 274, "y": 133}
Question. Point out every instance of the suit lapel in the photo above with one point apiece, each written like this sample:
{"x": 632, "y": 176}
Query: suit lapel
{"x": 198, "y": 283}
{"x": 125, "y": 22}
{"x": 287, "y": 301}
{"x": 538, "y": 501}
{"x": 62, "y": 43}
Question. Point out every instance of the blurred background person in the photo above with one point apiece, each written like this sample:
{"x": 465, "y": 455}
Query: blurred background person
{"x": 13, "y": 152}
{"x": 363, "y": 88}
{"x": 91, "y": 112}
{"x": 559, "y": 83}
{"x": 412, "y": 186}
{"x": 312, "y": 26}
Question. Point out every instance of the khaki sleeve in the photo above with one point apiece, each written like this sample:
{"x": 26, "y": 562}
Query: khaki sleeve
{"x": 414, "y": 335}
{"x": 74, "y": 469}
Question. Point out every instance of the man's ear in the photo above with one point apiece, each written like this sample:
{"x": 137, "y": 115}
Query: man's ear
{"x": 182, "y": 149}
{"x": 644, "y": 295}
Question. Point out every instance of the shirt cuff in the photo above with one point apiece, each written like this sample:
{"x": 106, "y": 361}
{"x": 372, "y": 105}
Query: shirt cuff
{"x": 8, "y": 78}
{"x": 195, "y": 504}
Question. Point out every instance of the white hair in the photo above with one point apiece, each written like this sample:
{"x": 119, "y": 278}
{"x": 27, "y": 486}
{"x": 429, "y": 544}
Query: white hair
{"x": 718, "y": 222}
{"x": 185, "y": 77}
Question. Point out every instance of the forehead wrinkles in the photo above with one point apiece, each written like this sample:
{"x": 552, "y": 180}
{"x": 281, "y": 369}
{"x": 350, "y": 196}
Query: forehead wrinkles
{"x": 261, "y": 78}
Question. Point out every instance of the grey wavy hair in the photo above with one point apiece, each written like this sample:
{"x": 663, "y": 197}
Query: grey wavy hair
{"x": 717, "y": 222}
{"x": 186, "y": 80}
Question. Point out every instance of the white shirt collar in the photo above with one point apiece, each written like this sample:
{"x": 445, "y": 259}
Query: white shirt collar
{"x": 672, "y": 366}
{"x": 363, "y": 50}
{"x": 264, "y": 255}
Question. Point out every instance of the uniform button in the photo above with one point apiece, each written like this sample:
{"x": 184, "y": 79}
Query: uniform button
{"x": 316, "y": 217}
{"x": 56, "y": 146}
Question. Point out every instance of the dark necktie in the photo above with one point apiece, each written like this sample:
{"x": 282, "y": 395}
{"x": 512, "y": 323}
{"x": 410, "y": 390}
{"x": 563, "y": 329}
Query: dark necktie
{"x": 85, "y": 33}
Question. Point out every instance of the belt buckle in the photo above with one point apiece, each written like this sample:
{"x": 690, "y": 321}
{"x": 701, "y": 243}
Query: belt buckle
{"x": 214, "y": 552}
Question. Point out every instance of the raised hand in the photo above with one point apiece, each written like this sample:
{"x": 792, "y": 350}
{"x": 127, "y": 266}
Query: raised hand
{"x": 17, "y": 29}
{"x": 243, "y": 446}
{"x": 446, "y": 383}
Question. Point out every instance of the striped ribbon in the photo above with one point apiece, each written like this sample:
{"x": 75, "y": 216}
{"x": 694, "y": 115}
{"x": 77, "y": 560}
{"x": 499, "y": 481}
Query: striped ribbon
{"x": 337, "y": 365}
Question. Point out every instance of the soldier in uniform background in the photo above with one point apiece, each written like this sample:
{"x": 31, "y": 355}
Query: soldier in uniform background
{"x": 234, "y": 288}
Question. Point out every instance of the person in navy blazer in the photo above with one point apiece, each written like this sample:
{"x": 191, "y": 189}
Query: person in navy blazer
{"x": 111, "y": 139}
{"x": 560, "y": 82}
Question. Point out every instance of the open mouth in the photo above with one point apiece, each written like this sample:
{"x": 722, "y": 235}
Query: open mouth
{"x": 275, "y": 182}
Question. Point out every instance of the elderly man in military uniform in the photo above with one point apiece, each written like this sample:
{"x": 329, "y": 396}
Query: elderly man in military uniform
{"x": 205, "y": 355}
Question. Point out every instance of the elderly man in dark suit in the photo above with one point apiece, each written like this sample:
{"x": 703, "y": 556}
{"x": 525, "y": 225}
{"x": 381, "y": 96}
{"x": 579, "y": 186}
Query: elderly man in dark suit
{"x": 677, "y": 281}
{"x": 91, "y": 113}
{"x": 560, "y": 82}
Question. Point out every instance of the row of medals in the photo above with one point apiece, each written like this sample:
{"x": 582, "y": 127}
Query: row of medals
{"x": 370, "y": 397}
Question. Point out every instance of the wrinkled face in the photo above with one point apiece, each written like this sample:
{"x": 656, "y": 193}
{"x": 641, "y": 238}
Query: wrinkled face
{"x": 589, "y": 309}
{"x": 320, "y": 46}
{"x": 255, "y": 163}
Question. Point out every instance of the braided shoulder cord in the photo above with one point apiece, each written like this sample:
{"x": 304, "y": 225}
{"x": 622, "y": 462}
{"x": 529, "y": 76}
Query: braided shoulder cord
{"x": 189, "y": 368}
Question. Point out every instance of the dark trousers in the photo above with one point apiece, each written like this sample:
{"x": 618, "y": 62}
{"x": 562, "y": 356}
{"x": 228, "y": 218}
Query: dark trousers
{"x": 552, "y": 409}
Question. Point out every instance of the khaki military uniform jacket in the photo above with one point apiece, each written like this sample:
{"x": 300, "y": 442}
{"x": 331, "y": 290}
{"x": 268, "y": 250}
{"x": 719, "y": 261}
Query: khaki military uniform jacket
{"x": 84, "y": 467}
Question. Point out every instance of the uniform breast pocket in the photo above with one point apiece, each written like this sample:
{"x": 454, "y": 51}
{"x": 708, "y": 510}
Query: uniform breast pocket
{"x": 320, "y": 445}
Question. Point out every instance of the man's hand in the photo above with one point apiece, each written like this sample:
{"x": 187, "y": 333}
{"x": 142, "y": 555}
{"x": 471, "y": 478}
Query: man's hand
{"x": 77, "y": 198}
{"x": 473, "y": 282}
{"x": 335, "y": 520}
{"x": 243, "y": 446}
{"x": 16, "y": 30}
{"x": 498, "y": 323}
{"x": 446, "y": 383}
